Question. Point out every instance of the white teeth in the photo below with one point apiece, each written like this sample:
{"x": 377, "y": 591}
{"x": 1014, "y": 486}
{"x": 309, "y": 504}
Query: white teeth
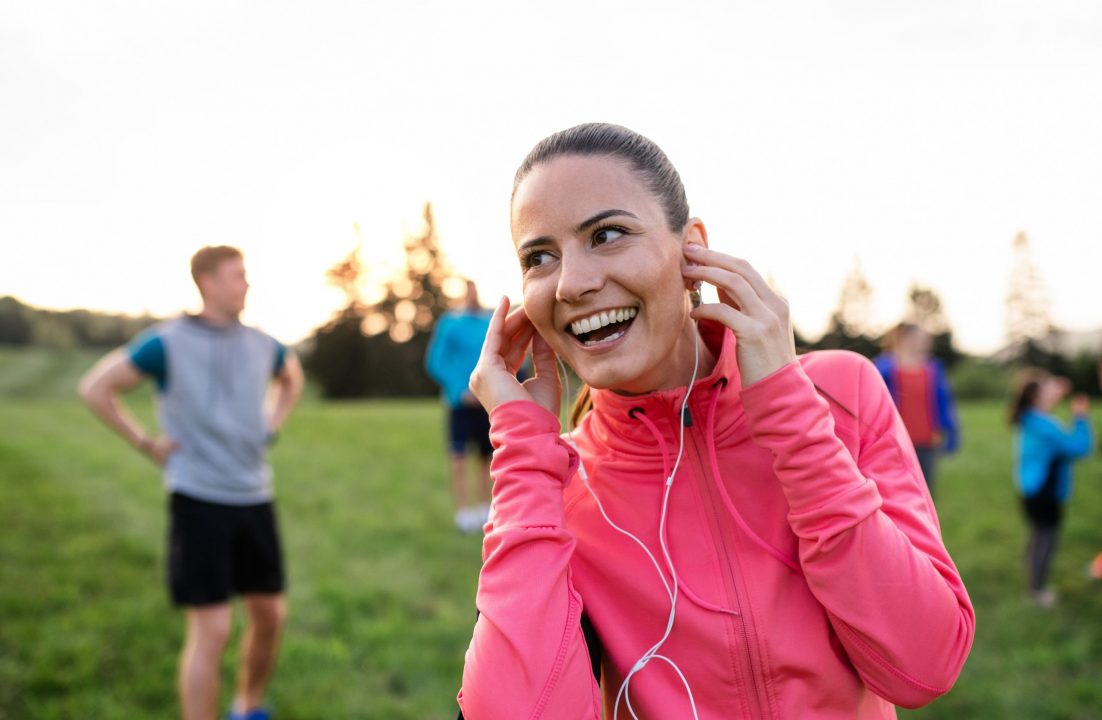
{"x": 598, "y": 320}
{"x": 610, "y": 338}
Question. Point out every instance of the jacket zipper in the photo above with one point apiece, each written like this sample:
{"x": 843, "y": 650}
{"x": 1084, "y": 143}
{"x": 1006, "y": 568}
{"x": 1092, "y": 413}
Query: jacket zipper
{"x": 730, "y": 565}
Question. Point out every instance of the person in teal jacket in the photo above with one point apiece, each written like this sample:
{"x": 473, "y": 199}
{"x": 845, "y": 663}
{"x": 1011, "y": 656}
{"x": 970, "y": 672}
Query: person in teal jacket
{"x": 452, "y": 354}
{"x": 1044, "y": 451}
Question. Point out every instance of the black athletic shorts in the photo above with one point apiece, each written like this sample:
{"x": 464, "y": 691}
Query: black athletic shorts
{"x": 469, "y": 424}
{"x": 217, "y": 551}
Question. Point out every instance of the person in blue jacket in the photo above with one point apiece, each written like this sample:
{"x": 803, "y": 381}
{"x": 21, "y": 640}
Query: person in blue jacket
{"x": 1044, "y": 451}
{"x": 921, "y": 392}
{"x": 452, "y": 354}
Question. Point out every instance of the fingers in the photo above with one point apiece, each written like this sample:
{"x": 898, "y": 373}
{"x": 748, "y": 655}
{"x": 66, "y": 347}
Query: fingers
{"x": 492, "y": 344}
{"x": 713, "y": 258}
{"x": 701, "y": 257}
{"x": 518, "y": 331}
{"x": 515, "y": 319}
{"x": 722, "y": 313}
{"x": 517, "y": 348}
{"x": 543, "y": 358}
{"x": 507, "y": 336}
{"x": 736, "y": 286}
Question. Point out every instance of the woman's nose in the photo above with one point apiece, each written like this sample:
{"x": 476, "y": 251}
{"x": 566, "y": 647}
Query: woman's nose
{"x": 578, "y": 277}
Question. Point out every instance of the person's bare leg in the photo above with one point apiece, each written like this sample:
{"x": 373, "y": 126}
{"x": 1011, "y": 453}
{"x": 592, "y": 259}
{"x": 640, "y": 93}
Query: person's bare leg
{"x": 208, "y": 629}
{"x": 265, "y": 615}
{"x": 484, "y": 480}
{"x": 458, "y": 465}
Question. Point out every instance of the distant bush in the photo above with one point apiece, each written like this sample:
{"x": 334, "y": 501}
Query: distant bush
{"x": 974, "y": 379}
{"x": 25, "y": 325}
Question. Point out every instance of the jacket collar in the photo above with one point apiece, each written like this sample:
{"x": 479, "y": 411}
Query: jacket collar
{"x": 613, "y": 418}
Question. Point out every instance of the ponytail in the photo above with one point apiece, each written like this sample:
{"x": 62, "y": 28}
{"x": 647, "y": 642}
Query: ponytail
{"x": 1026, "y": 397}
{"x": 582, "y": 404}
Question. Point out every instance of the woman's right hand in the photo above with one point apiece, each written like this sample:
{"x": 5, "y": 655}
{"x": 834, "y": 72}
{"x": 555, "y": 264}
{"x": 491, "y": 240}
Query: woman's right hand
{"x": 494, "y": 380}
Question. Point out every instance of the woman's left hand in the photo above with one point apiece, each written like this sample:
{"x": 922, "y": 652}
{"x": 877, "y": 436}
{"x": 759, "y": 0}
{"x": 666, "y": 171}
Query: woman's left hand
{"x": 757, "y": 315}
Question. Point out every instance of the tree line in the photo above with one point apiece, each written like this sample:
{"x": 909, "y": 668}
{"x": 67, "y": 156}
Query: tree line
{"x": 374, "y": 344}
{"x": 22, "y": 324}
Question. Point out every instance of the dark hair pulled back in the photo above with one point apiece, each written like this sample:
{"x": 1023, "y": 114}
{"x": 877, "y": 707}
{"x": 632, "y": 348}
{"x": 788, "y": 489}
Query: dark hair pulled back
{"x": 1025, "y": 398}
{"x": 605, "y": 139}
{"x": 642, "y": 155}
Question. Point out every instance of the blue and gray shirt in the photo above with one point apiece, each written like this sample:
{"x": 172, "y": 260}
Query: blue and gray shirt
{"x": 212, "y": 382}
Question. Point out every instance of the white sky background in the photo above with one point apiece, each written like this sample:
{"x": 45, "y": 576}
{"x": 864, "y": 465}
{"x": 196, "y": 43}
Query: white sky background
{"x": 917, "y": 136}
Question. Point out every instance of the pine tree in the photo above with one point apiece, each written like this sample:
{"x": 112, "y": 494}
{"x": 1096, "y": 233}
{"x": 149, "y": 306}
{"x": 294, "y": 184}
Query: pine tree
{"x": 1028, "y": 318}
{"x": 926, "y": 311}
{"x": 852, "y": 316}
{"x": 418, "y": 296}
{"x": 372, "y": 349}
{"x": 849, "y": 327}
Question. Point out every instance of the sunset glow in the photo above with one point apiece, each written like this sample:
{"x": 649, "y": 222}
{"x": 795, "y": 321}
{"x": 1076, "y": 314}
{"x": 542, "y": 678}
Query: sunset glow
{"x": 917, "y": 137}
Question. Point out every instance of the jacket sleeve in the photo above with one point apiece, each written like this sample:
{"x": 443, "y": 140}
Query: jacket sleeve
{"x": 528, "y": 657}
{"x": 946, "y": 409}
{"x": 869, "y": 541}
{"x": 1072, "y": 443}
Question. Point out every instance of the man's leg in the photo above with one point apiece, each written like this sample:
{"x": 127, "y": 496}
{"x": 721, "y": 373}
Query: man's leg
{"x": 265, "y": 615}
{"x": 458, "y": 434}
{"x": 208, "y": 629}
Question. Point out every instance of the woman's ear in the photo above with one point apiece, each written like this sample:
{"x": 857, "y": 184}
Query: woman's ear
{"x": 695, "y": 232}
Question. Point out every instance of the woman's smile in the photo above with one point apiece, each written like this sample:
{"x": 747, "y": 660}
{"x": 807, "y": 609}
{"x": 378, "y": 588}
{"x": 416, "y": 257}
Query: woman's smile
{"x": 603, "y": 327}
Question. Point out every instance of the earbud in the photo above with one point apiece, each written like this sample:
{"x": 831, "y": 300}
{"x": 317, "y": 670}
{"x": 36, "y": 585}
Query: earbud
{"x": 694, "y": 294}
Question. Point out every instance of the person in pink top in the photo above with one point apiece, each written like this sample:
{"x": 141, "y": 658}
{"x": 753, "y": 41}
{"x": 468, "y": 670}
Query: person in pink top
{"x": 741, "y": 532}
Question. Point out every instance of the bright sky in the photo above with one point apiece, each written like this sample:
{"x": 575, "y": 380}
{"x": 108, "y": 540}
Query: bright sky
{"x": 916, "y": 136}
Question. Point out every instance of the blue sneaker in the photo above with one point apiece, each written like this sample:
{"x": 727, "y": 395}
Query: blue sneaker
{"x": 254, "y": 714}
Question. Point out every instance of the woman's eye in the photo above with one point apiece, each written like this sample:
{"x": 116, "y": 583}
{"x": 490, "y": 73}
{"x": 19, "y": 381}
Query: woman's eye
{"x": 539, "y": 257}
{"x": 605, "y": 235}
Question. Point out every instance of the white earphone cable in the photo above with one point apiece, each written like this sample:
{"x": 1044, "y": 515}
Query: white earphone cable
{"x": 671, "y": 590}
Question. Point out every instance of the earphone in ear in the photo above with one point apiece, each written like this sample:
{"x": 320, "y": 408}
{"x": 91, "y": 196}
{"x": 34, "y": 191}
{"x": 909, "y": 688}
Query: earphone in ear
{"x": 694, "y": 294}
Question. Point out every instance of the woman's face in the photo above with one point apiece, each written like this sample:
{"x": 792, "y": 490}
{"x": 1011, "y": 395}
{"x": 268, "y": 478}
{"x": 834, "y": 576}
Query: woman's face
{"x": 602, "y": 272}
{"x": 1052, "y": 391}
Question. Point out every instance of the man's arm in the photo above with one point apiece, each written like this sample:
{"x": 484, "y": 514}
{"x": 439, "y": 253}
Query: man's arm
{"x": 100, "y": 389}
{"x": 288, "y": 389}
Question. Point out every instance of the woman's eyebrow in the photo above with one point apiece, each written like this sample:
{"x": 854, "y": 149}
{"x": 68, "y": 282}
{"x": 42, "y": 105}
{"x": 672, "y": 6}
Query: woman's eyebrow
{"x": 601, "y": 216}
{"x": 533, "y": 243}
{"x": 582, "y": 227}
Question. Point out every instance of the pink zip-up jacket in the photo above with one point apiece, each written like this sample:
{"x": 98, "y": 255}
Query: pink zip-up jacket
{"x": 813, "y": 582}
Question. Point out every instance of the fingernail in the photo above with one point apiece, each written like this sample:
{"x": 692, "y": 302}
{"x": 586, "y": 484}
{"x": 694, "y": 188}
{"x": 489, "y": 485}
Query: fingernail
{"x": 692, "y": 248}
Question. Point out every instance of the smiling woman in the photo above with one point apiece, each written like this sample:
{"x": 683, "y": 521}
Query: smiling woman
{"x": 740, "y": 532}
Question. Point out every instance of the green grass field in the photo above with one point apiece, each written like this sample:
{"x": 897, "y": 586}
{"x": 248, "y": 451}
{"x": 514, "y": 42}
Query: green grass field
{"x": 381, "y": 586}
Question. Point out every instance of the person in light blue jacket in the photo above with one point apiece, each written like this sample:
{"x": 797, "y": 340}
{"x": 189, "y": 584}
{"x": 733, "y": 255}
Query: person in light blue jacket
{"x": 1044, "y": 451}
{"x": 452, "y": 354}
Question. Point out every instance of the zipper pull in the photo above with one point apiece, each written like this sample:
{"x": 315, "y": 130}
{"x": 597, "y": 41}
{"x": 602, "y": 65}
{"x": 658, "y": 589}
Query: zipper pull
{"x": 687, "y": 417}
